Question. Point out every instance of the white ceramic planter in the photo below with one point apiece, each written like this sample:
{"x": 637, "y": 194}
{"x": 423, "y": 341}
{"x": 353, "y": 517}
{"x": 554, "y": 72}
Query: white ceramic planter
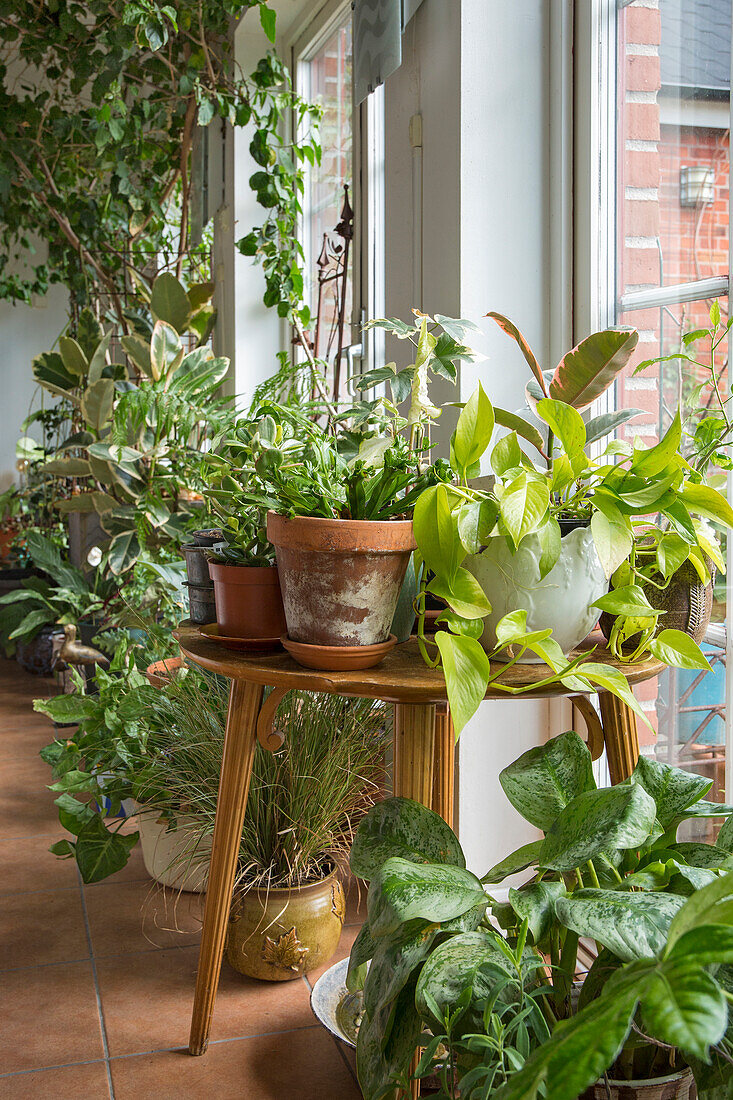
{"x": 169, "y": 856}
{"x": 561, "y": 600}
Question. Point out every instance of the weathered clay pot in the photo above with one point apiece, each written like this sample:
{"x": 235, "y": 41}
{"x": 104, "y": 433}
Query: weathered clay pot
{"x": 676, "y": 1086}
{"x": 281, "y": 934}
{"x": 248, "y": 600}
{"x": 687, "y": 603}
{"x": 340, "y": 577}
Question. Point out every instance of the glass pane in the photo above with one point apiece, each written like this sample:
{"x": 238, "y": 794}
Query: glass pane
{"x": 326, "y": 79}
{"x": 672, "y": 159}
{"x": 673, "y": 139}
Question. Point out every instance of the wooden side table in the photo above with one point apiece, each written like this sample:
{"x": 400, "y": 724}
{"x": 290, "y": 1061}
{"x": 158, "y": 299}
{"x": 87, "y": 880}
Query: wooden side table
{"x": 423, "y": 752}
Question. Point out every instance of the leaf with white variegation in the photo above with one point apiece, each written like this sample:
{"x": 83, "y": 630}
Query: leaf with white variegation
{"x": 402, "y": 827}
{"x": 544, "y": 780}
{"x": 614, "y": 818}
{"x": 631, "y": 925}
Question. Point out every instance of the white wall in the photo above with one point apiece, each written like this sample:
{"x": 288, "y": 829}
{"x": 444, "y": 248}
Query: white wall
{"x": 25, "y": 331}
{"x": 479, "y": 74}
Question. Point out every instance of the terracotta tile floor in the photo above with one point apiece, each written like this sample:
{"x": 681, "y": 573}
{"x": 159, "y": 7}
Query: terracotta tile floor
{"x": 96, "y": 982}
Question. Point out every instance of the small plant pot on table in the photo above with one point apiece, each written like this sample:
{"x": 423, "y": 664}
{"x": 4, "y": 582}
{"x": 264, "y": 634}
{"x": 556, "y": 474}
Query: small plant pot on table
{"x": 248, "y": 601}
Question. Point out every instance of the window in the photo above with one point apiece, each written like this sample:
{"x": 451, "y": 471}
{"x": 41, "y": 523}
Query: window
{"x": 672, "y": 157}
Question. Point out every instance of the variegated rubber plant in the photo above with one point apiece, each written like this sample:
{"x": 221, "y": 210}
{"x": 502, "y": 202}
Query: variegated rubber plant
{"x": 619, "y": 493}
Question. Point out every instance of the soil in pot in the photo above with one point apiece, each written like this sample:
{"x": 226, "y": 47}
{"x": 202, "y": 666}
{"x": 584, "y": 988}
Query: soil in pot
{"x": 248, "y": 600}
{"x": 207, "y": 536}
{"x": 675, "y": 1086}
{"x": 280, "y": 934}
{"x": 340, "y": 578}
{"x": 686, "y": 601}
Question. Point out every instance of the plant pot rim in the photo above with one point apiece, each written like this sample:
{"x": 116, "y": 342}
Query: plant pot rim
{"x": 646, "y": 1082}
{"x": 341, "y": 535}
{"x": 238, "y": 568}
{"x": 283, "y": 892}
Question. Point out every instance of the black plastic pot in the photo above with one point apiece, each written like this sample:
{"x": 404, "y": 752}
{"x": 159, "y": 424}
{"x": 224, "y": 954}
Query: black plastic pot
{"x": 201, "y": 603}
{"x": 207, "y": 536}
{"x": 197, "y": 565}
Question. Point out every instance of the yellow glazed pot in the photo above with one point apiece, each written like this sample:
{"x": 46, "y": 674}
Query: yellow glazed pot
{"x": 280, "y": 934}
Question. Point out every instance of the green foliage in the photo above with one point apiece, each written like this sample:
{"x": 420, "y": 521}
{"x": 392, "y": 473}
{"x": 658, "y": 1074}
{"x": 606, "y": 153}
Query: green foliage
{"x": 660, "y": 912}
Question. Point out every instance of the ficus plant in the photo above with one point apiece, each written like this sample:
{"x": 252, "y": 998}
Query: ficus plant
{"x": 608, "y": 868}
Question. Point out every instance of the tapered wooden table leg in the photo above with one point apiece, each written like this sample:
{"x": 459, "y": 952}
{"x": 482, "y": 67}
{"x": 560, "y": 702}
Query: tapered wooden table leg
{"x": 444, "y": 764}
{"x": 414, "y": 757}
{"x": 620, "y": 735}
{"x": 236, "y": 769}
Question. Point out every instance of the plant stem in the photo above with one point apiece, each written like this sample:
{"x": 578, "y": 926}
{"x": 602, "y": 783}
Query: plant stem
{"x": 593, "y": 875}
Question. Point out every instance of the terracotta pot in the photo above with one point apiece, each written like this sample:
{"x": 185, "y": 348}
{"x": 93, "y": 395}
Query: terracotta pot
{"x": 248, "y": 600}
{"x": 281, "y": 934}
{"x": 676, "y": 1086}
{"x": 687, "y": 603}
{"x": 340, "y": 578}
{"x": 160, "y": 673}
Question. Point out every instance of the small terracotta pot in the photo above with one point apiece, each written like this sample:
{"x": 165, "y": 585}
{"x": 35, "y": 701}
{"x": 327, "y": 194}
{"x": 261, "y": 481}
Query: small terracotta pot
{"x": 675, "y": 1086}
{"x": 281, "y": 934}
{"x": 340, "y": 578}
{"x": 160, "y": 673}
{"x": 248, "y": 600}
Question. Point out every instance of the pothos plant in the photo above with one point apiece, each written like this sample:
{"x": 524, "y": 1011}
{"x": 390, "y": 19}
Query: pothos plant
{"x": 485, "y": 1004}
{"x": 530, "y": 497}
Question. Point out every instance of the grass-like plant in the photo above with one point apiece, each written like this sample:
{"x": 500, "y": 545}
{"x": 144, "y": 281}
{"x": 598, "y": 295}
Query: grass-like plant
{"x": 305, "y": 800}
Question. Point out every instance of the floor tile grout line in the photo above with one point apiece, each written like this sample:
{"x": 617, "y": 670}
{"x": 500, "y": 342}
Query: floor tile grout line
{"x": 44, "y": 1069}
{"x": 216, "y": 1042}
{"x": 97, "y": 993}
{"x": 345, "y": 1060}
{"x": 99, "y": 958}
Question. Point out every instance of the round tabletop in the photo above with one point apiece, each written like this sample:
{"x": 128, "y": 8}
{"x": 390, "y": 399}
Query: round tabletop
{"x": 401, "y": 677}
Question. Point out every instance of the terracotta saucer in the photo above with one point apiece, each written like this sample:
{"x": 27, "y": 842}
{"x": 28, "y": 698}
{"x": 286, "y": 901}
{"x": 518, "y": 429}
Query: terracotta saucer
{"x": 248, "y": 645}
{"x": 338, "y": 658}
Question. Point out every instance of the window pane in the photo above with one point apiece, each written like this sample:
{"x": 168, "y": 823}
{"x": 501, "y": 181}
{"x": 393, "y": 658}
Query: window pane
{"x": 326, "y": 79}
{"x": 672, "y": 154}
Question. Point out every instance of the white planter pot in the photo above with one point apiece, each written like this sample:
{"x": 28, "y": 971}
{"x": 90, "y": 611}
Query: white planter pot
{"x": 170, "y": 857}
{"x": 561, "y": 600}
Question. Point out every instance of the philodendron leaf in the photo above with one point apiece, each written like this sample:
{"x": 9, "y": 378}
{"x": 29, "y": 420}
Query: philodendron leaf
{"x": 526, "y": 856}
{"x": 612, "y": 537}
{"x": 543, "y": 780}
{"x": 590, "y": 368}
{"x": 67, "y": 708}
{"x": 535, "y": 903}
{"x": 672, "y": 789}
{"x": 685, "y": 1007}
{"x": 436, "y": 533}
{"x": 100, "y": 853}
{"x": 679, "y": 650}
{"x": 401, "y": 827}
{"x": 403, "y": 891}
{"x": 711, "y": 905}
{"x": 97, "y": 403}
{"x": 463, "y": 594}
{"x": 523, "y": 505}
{"x": 473, "y": 430}
{"x": 631, "y": 925}
{"x": 628, "y": 600}
{"x": 467, "y": 670}
{"x": 598, "y": 821}
{"x": 453, "y": 966}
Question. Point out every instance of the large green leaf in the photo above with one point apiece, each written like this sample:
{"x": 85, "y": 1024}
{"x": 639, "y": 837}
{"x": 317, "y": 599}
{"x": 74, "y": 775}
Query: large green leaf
{"x": 473, "y": 430}
{"x": 523, "y": 505}
{"x": 50, "y": 372}
{"x": 123, "y": 552}
{"x": 600, "y": 426}
{"x": 684, "y": 1006}
{"x": 386, "y": 1043}
{"x": 99, "y": 853}
{"x": 678, "y": 650}
{"x": 590, "y": 368}
{"x": 652, "y": 461}
{"x": 631, "y": 925}
{"x": 67, "y": 708}
{"x": 518, "y": 424}
{"x": 672, "y": 789}
{"x": 436, "y": 533}
{"x": 402, "y": 891}
{"x": 566, "y": 423}
{"x": 139, "y": 351}
{"x": 612, "y": 537}
{"x": 401, "y": 827}
{"x": 711, "y": 905}
{"x": 98, "y": 361}
{"x": 542, "y": 781}
{"x": 467, "y": 670}
{"x": 67, "y": 467}
{"x": 705, "y": 501}
{"x": 97, "y": 403}
{"x": 31, "y": 624}
{"x": 598, "y": 821}
{"x": 169, "y": 302}
{"x": 453, "y": 966}
{"x": 362, "y": 950}
{"x": 463, "y": 594}
{"x": 535, "y": 903}
{"x": 166, "y": 352}
{"x": 73, "y": 357}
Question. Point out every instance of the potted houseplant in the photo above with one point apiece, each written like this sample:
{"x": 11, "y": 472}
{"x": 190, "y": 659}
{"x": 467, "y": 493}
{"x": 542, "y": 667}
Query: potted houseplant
{"x": 304, "y": 801}
{"x": 500, "y": 557}
{"x": 340, "y": 504}
{"x": 437, "y": 961}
